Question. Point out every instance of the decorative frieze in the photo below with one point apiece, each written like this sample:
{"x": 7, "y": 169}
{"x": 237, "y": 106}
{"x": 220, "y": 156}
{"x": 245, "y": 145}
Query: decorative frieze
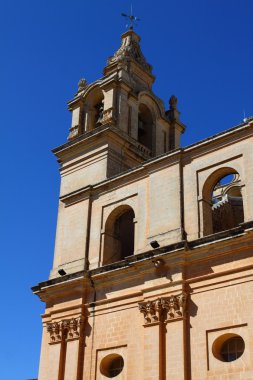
{"x": 67, "y": 329}
{"x": 163, "y": 309}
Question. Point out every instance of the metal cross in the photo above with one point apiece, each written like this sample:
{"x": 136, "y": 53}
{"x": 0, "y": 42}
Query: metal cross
{"x": 133, "y": 19}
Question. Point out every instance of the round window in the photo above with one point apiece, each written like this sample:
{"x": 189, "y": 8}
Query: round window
{"x": 228, "y": 347}
{"x": 112, "y": 365}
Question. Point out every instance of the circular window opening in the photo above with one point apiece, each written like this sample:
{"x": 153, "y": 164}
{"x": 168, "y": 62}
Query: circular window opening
{"x": 112, "y": 365}
{"x": 228, "y": 347}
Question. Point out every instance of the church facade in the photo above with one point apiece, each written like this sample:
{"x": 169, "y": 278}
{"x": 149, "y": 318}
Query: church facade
{"x": 153, "y": 264}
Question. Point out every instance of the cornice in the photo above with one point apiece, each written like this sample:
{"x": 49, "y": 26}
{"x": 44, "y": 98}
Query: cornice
{"x": 178, "y": 255}
{"x": 212, "y": 140}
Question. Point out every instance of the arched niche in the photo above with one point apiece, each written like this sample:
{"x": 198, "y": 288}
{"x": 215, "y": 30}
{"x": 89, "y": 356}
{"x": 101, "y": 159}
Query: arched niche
{"x": 94, "y": 106}
{"x": 145, "y": 126}
{"x": 222, "y": 201}
{"x": 119, "y": 235}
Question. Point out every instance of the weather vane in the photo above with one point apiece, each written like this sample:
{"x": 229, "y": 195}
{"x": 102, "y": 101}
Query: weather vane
{"x": 132, "y": 19}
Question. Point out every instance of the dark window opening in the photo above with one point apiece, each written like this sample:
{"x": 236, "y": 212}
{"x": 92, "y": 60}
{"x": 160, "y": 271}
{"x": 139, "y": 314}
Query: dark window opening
{"x": 116, "y": 366}
{"x": 112, "y": 365}
{"x": 124, "y": 233}
{"x": 145, "y": 126}
{"x": 232, "y": 349}
{"x": 119, "y": 237}
{"x": 99, "y": 110}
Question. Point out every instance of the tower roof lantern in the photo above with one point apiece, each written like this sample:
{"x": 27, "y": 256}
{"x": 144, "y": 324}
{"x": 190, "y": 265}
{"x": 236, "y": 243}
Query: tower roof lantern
{"x": 130, "y": 50}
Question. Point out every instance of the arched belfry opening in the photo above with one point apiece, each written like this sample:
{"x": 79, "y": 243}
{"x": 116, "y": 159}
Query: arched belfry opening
{"x": 95, "y": 108}
{"x": 145, "y": 126}
{"x": 119, "y": 235}
{"x": 222, "y": 202}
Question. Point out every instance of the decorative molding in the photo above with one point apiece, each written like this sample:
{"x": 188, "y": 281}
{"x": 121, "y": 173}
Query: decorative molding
{"x": 163, "y": 309}
{"x": 130, "y": 50}
{"x": 67, "y": 329}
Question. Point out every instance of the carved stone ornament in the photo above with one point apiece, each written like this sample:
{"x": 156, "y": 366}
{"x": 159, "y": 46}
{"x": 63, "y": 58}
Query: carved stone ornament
{"x": 173, "y": 102}
{"x": 163, "y": 309}
{"x": 130, "y": 48}
{"x": 108, "y": 116}
{"x": 68, "y": 329}
{"x": 82, "y": 84}
{"x": 74, "y": 132}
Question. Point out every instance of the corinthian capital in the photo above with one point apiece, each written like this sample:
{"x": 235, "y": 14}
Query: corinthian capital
{"x": 67, "y": 329}
{"x": 163, "y": 309}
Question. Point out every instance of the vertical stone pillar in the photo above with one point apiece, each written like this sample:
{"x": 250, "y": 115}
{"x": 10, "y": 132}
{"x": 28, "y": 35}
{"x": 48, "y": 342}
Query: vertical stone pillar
{"x": 174, "y": 340}
{"x": 153, "y": 355}
{"x": 123, "y": 108}
{"x": 205, "y": 217}
{"x": 153, "y": 340}
{"x": 77, "y": 119}
{"x": 110, "y": 111}
{"x": 49, "y": 358}
{"x": 175, "y": 350}
{"x": 56, "y": 351}
{"x": 71, "y": 362}
{"x": 54, "y": 361}
{"x": 164, "y": 351}
{"x": 64, "y": 349}
{"x": 134, "y": 117}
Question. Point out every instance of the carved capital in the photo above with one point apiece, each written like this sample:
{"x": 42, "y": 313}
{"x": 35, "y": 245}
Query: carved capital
{"x": 67, "y": 329}
{"x": 174, "y": 306}
{"x": 55, "y": 332}
{"x": 152, "y": 310}
{"x": 163, "y": 309}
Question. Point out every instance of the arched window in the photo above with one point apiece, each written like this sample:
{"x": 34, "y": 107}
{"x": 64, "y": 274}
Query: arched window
{"x": 223, "y": 202}
{"x": 145, "y": 126}
{"x": 94, "y": 108}
{"x": 119, "y": 235}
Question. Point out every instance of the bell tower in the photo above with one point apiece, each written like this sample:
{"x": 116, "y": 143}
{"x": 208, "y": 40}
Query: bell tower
{"x": 117, "y": 121}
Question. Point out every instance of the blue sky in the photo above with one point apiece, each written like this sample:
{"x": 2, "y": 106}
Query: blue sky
{"x": 201, "y": 51}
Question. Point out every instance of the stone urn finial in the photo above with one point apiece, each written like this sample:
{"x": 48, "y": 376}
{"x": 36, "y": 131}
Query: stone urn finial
{"x": 82, "y": 84}
{"x": 173, "y": 102}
